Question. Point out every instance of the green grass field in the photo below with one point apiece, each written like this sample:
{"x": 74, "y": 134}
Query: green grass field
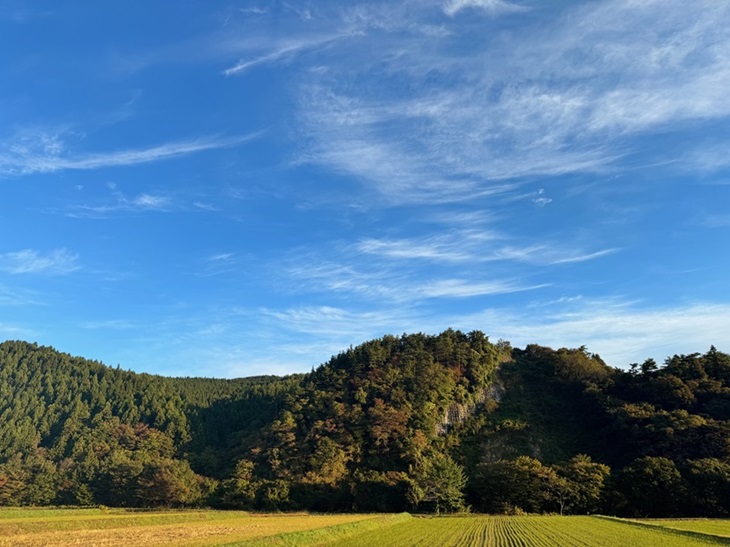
{"x": 110, "y": 528}
{"x": 715, "y": 527}
{"x": 528, "y": 531}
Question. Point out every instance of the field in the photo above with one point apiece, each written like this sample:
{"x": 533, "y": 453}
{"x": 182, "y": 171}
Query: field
{"x": 715, "y": 527}
{"x": 530, "y": 531}
{"x": 111, "y": 528}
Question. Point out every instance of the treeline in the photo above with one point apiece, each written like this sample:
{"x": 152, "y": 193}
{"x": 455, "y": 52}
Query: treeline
{"x": 416, "y": 422}
{"x": 74, "y": 431}
{"x": 365, "y": 431}
{"x": 573, "y": 435}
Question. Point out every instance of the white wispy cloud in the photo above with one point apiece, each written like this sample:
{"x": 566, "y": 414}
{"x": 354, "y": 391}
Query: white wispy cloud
{"x": 47, "y": 152}
{"x": 442, "y": 124}
{"x": 120, "y": 203}
{"x": 18, "y": 297}
{"x": 255, "y": 10}
{"x": 541, "y": 200}
{"x": 282, "y": 52}
{"x": 315, "y": 275}
{"x": 706, "y": 157}
{"x": 219, "y": 263}
{"x": 112, "y": 324}
{"x": 220, "y": 257}
{"x": 438, "y": 125}
{"x": 58, "y": 261}
{"x": 235, "y": 341}
{"x": 205, "y": 206}
{"x": 583, "y": 257}
{"x": 476, "y": 247}
{"x": 244, "y": 360}
{"x": 8, "y": 331}
{"x": 333, "y": 321}
{"x": 416, "y": 158}
{"x": 401, "y": 285}
{"x": 455, "y": 247}
{"x": 455, "y": 262}
{"x": 621, "y": 332}
{"x": 243, "y": 66}
{"x": 149, "y": 201}
{"x": 460, "y": 288}
{"x": 493, "y": 7}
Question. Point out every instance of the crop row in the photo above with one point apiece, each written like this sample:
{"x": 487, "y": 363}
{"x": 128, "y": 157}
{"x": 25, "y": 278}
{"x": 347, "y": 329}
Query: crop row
{"x": 530, "y": 531}
{"x": 91, "y": 527}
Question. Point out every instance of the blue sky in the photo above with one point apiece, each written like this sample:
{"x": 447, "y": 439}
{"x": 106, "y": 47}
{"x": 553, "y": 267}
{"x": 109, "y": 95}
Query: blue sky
{"x": 228, "y": 189}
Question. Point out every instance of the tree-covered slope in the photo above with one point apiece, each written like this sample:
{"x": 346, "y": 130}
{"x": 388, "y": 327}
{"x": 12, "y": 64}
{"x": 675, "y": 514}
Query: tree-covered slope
{"x": 366, "y": 429}
{"x": 662, "y": 432}
{"x": 75, "y": 425}
{"x": 415, "y": 422}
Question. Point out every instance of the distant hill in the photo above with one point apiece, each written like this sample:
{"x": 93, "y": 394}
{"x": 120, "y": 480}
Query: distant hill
{"x": 415, "y": 422}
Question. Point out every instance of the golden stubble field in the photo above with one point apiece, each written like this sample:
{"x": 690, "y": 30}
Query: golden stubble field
{"x": 117, "y": 528}
{"x": 120, "y": 528}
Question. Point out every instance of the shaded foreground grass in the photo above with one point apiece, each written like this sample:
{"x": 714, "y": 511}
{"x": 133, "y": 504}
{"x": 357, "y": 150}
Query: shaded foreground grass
{"x": 110, "y": 528}
{"x": 714, "y": 527}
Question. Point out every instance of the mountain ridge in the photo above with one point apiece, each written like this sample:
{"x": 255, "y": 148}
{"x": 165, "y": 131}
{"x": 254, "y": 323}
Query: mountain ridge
{"x": 416, "y": 422}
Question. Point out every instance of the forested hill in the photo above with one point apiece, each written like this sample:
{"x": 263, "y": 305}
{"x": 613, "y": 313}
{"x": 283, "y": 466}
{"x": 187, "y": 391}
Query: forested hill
{"x": 414, "y": 422}
{"x": 76, "y": 431}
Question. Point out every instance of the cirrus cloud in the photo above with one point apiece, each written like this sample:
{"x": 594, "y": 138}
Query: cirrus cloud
{"x": 57, "y": 261}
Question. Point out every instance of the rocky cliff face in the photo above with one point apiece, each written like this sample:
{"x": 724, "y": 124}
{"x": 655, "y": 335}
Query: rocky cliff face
{"x": 458, "y": 412}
